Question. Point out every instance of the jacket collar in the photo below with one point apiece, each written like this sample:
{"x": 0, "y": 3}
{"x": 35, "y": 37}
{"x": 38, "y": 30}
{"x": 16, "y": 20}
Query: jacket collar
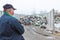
{"x": 6, "y": 13}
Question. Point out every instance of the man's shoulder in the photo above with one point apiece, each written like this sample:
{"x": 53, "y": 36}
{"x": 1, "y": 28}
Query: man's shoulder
{"x": 11, "y": 18}
{"x": 8, "y": 17}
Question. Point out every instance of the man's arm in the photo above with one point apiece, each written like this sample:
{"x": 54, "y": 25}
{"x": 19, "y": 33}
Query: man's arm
{"x": 18, "y": 28}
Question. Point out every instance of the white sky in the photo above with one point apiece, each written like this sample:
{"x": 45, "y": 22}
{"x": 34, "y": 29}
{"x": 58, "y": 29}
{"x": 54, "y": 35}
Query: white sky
{"x": 27, "y": 6}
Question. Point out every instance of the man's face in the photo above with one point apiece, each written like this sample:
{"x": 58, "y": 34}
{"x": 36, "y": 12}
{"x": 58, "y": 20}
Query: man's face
{"x": 11, "y": 11}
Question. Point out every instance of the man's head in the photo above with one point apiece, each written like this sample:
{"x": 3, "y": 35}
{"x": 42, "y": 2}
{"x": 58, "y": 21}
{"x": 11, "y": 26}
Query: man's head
{"x": 9, "y": 8}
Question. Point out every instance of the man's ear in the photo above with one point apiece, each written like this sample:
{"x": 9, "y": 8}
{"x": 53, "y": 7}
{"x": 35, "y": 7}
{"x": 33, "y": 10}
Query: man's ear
{"x": 9, "y": 10}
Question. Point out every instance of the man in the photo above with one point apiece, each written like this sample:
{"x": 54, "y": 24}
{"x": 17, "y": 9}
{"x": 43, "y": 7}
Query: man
{"x": 10, "y": 27}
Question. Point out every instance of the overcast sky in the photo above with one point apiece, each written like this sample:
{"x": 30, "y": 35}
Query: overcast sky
{"x": 27, "y": 6}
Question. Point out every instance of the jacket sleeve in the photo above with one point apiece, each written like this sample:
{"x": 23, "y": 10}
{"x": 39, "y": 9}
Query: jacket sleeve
{"x": 17, "y": 27}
